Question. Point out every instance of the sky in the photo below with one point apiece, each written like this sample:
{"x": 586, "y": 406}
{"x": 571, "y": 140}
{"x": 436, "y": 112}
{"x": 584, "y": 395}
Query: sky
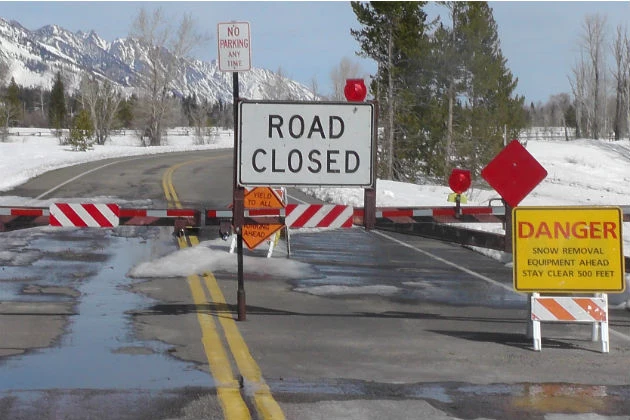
{"x": 306, "y": 40}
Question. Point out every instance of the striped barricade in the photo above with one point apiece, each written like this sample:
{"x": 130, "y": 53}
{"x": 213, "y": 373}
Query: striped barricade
{"x": 318, "y": 216}
{"x": 14, "y": 218}
{"x": 294, "y": 216}
{"x": 84, "y": 215}
{"x": 592, "y": 310}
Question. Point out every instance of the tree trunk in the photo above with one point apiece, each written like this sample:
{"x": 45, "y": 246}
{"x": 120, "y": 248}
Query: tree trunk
{"x": 390, "y": 106}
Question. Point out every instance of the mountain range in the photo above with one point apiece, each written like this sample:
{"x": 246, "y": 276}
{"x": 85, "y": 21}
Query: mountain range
{"x": 35, "y": 57}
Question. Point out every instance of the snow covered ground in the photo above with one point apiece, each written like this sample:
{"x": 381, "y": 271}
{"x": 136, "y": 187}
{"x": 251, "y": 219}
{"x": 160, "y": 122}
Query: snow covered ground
{"x": 580, "y": 172}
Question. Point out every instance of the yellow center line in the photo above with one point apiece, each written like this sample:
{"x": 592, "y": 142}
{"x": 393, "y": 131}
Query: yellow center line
{"x": 228, "y": 389}
{"x": 230, "y": 397}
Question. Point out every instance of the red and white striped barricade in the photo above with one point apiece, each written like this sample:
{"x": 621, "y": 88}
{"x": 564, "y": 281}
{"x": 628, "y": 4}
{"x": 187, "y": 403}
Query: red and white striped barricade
{"x": 570, "y": 309}
{"x": 318, "y": 216}
{"x": 84, "y": 215}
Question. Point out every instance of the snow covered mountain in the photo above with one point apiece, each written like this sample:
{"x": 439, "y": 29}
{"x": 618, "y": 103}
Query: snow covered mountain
{"x": 34, "y": 57}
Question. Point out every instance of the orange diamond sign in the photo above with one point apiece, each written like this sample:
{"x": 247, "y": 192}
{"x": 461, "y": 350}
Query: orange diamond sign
{"x": 261, "y": 198}
{"x": 254, "y": 235}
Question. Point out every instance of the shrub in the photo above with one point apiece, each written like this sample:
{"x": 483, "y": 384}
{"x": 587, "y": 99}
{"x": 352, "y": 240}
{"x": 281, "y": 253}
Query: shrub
{"x": 82, "y": 133}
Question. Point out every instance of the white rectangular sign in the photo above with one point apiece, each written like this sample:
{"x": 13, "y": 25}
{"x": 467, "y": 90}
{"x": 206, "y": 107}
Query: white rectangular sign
{"x": 306, "y": 144}
{"x": 234, "y": 44}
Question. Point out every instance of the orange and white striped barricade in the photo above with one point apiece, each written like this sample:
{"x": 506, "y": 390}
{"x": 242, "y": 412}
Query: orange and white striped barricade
{"x": 571, "y": 309}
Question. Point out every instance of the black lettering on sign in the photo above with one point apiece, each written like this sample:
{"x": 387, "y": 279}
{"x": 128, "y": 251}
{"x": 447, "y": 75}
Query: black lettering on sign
{"x": 300, "y": 124}
{"x": 316, "y": 126}
{"x": 330, "y": 161}
{"x": 315, "y": 160}
{"x": 274, "y": 168}
{"x": 331, "y": 127}
{"x": 256, "y": 167}
{"x": 356, "y": 162}
{"x": 297, "y": 127}
{"x": 275, "y": 121}
{"x": 292, "y": 154}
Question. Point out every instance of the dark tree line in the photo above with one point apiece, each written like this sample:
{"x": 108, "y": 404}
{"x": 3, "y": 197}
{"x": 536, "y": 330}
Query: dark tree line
{"x": 55, "y": 108}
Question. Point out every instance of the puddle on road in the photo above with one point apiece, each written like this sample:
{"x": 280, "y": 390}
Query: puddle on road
{"x": 509, "y": 401}
{"x": 93, "y": 352}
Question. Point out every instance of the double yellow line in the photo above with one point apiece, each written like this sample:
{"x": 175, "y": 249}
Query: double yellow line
{"x": 228, "y": 387}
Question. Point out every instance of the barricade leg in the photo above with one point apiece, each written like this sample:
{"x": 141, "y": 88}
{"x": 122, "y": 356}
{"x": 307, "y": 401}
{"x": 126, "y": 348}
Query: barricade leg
{"x": 605, "y": 341}
{"x": 533, "y": 323}
{"x": 233, "y": 244}
{"x": 595, "y": 333}
{"x": 272, "y": 244}
{"x": 537, "y": 335}
{"x": 528, "y": 329}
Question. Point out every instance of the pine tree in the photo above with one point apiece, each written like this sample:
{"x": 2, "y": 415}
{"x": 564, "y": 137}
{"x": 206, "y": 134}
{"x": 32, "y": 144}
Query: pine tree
{"x": 124, "y": 116}
{"x": 13, "y": 100}
{"x": 57, "y": 108}
{"x": 489, "y": 104}
{"x": 392, "y": 34}
{"x": 81, "y": 135}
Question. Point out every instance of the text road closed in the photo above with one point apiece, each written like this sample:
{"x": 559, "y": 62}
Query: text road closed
{"x": 306, "y": 143}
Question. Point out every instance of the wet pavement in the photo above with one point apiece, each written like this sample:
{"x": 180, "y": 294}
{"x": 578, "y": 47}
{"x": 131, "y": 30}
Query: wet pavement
{"x": 97, "y": 348}
{"x": 378, "y": 332}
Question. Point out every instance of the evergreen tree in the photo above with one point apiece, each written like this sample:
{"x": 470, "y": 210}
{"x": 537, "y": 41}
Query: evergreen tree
{"x": 13, "y": 101}
{"x": 487, "y": 89}
{"x": 392, "y": 34}
{"x": 81, "y": 136}
{"x": 124, "y": 115}
{"x": 57, "y": 107}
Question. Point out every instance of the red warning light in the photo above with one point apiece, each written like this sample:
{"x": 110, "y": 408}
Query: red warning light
{"x": 355, "y": 90}
{"x": 459, "y": 181}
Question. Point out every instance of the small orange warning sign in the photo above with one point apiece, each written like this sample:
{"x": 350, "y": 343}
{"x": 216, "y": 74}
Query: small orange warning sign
{"x": 254, "y": 235}
{"x": 262, "y": 198}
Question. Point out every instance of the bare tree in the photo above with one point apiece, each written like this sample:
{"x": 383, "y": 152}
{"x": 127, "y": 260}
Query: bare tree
{"x": 593, "y": 41}
{"x": 347, "y": 69}
{"x": 620, "y": 73}
{"x": 578, "y": 87}
{"x": 167, "y": 50}
{"x": 101, "y": 99}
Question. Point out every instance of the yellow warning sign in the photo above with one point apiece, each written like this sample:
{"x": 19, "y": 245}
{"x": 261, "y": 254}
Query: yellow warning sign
{"x": 568, "y": 249}
{"x": 262, "y": 198}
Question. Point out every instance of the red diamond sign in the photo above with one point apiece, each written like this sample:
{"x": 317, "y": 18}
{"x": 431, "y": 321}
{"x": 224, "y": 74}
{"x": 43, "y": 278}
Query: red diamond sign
{"x": 513, "y": 173}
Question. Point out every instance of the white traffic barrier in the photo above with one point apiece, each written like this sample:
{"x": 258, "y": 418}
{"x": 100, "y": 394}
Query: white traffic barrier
{"x": 570, "y": 309}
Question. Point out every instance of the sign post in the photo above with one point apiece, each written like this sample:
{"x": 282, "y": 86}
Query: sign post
{"x": 234, "y": 53}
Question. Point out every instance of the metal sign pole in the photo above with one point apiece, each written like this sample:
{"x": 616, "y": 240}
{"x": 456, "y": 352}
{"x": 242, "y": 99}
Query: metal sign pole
{"x": 239, "y": 209}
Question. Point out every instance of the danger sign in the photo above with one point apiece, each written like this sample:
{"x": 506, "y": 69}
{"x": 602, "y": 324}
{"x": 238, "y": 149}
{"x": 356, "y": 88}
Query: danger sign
{"x": 306, "y": 143}
{"x": 568, "y": 249}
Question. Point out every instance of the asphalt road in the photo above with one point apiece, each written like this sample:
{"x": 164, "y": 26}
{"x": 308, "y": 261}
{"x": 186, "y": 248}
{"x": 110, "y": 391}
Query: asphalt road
{"x": 381, "y": 326}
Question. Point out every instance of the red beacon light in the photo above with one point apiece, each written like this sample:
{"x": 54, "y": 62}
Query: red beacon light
{"x": 355, "y": 90}
{"x": 459, "y": 181}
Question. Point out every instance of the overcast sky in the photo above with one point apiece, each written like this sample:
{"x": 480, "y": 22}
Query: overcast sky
{"x": 307, "y": 39}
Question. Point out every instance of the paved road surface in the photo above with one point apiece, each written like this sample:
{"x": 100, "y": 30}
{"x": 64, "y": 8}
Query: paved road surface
{"x": 380, "y": 327}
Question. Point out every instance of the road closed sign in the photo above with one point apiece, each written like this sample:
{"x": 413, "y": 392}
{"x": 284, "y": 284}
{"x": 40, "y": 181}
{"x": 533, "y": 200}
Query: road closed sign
{"x": 568, "y": 249}
{"x": 306, "y": 144}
